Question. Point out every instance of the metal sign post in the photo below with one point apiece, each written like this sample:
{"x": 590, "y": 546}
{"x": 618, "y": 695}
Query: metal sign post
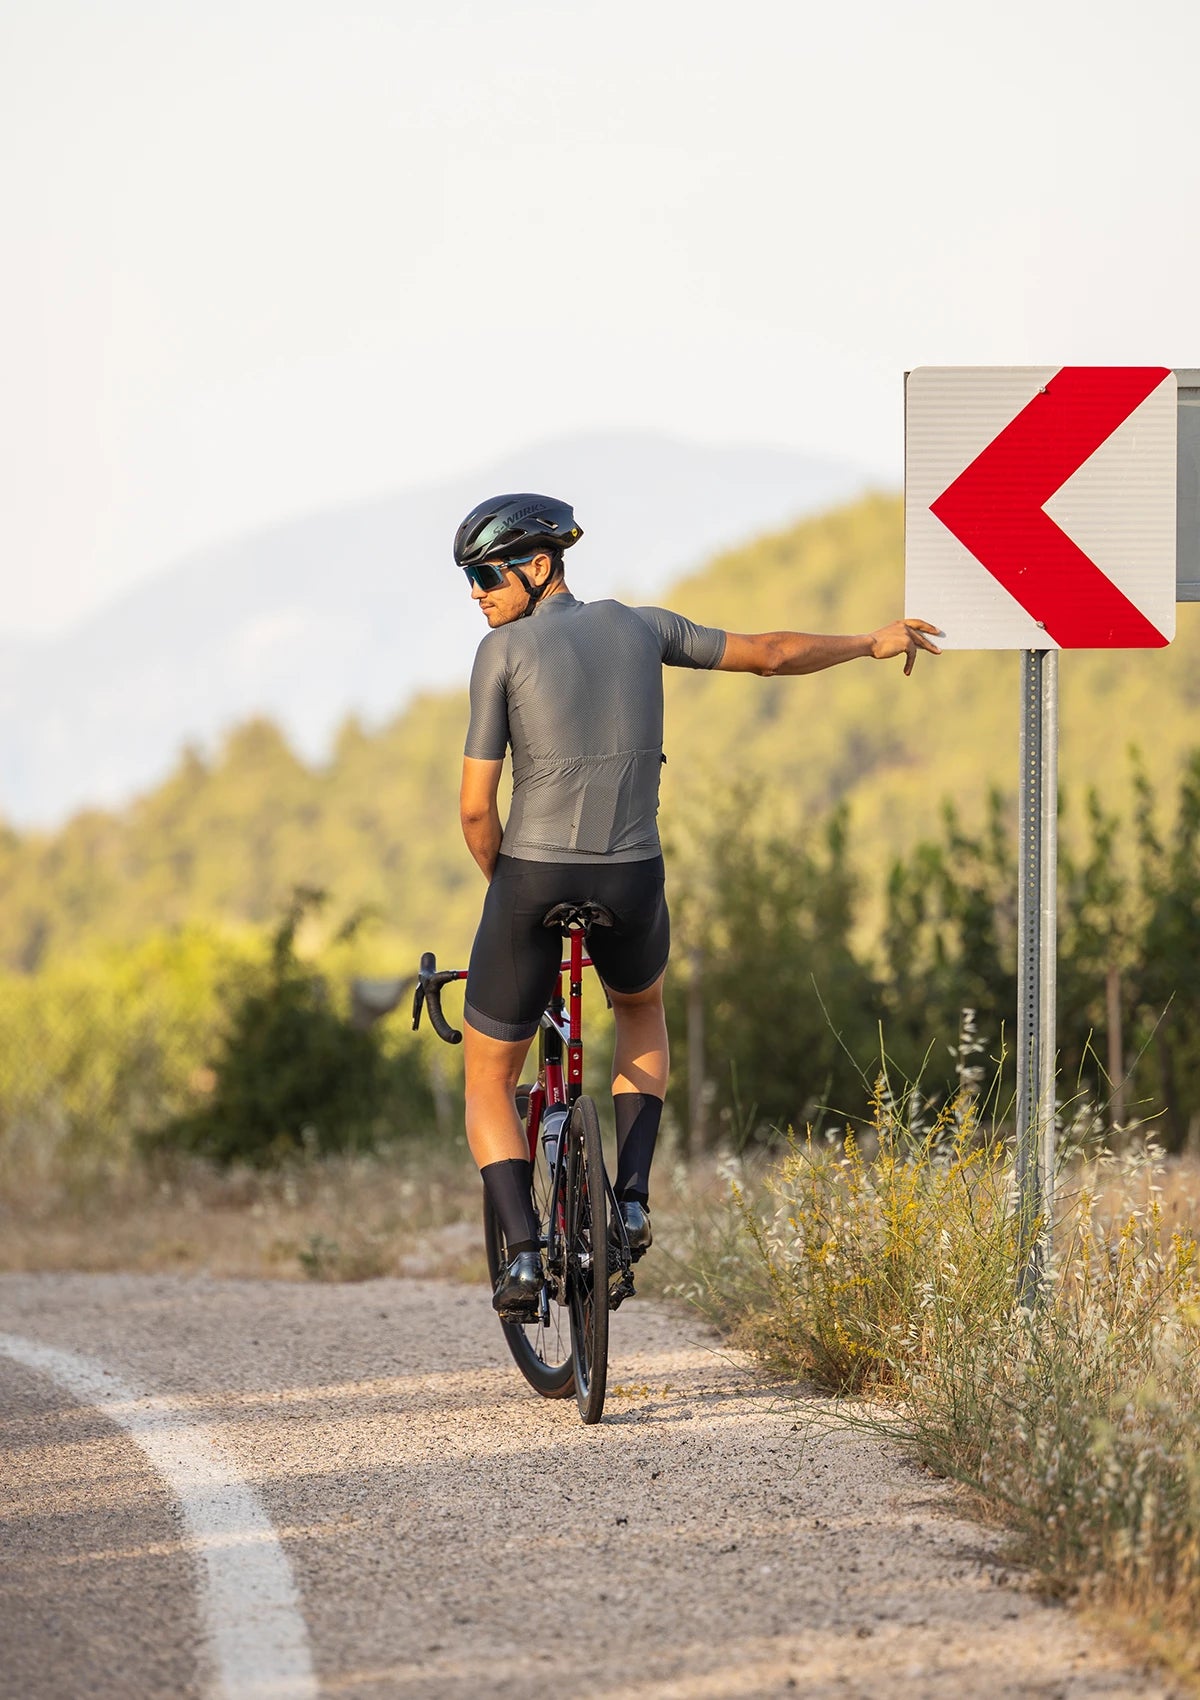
{"x": 1037, "y": 930}
{"x": 1187, "y": 569}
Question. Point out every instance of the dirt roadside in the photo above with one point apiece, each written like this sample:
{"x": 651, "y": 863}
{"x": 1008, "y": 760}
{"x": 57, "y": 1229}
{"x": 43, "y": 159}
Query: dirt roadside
{"x": 452, "y": 1535}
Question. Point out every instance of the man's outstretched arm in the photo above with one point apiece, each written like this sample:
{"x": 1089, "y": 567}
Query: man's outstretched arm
{"x": 478, "y": 812}
{"x": 769, "y": 653}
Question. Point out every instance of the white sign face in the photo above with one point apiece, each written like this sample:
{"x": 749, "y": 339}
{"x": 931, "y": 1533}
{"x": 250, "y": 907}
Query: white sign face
{"x": 1040, "y": 505}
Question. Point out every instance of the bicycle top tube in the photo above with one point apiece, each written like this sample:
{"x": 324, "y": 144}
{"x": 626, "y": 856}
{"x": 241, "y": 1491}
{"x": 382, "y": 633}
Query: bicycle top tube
{"x": 563, "y": 968}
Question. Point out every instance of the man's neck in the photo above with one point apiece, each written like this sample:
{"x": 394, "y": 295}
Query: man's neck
{"x": 559, "y": 589}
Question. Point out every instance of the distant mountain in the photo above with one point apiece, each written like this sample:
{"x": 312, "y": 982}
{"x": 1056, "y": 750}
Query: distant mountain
{"x": 354, "y": 610}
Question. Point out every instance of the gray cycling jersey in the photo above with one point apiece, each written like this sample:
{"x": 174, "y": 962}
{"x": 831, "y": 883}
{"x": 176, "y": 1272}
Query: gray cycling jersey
{"x": 577, "y": 692}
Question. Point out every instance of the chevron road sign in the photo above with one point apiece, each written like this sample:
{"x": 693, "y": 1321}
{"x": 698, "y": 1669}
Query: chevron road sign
{"x": 1048, "y": 508}
{"x": 1040, "y": 505}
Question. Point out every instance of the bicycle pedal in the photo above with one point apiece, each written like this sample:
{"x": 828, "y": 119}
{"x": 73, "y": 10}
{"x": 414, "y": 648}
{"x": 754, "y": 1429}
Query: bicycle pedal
{"x": 521, "y": 1312}
{"x": 620, "y": 1288}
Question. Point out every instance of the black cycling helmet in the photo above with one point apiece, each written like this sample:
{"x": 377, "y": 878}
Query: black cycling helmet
{"x": 514, "y": 525}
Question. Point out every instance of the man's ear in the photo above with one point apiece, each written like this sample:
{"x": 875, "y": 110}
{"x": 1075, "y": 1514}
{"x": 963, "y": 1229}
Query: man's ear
{"x": 542, "y": 567}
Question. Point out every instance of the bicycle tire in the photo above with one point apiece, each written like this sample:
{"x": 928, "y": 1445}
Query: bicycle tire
{"x": 542, "y": 1352}
{"x": 587, "y": 1258}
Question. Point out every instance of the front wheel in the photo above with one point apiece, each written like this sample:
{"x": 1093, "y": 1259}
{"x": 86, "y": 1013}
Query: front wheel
{"x": 587, "y": 1258}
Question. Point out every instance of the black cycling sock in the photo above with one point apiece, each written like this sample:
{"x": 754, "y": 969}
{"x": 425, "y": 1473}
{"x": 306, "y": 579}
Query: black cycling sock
{"x": 509, "y": 1186}
{"x": 637, "y": 1116}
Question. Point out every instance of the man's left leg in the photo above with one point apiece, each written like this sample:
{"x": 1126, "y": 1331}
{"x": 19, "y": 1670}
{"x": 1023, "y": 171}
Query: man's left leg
{"x": 496, "y": 1135}
{"x": 514, "y": 961}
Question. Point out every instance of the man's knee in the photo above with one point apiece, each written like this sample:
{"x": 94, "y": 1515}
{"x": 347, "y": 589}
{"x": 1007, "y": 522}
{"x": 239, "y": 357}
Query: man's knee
{"x": 492, "y": 1061}
{"x": 650, "y": 997}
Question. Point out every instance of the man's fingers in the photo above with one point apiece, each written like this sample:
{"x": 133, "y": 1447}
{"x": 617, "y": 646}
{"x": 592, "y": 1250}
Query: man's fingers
{"x": 907, "y": 636}
{"x": 916, "y": 627}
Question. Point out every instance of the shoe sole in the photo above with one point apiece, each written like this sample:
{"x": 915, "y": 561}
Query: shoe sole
{"x": 520, "y": 1307}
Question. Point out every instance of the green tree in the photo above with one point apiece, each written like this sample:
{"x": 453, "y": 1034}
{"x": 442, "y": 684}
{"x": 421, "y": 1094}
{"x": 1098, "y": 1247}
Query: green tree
{"x": 949, "y": 944}
{"x": 1166, "y": 982}
{"x": 1100, "y": 924}
{"x": 293, "y": 1075}
{"x": 789, "y": 1010}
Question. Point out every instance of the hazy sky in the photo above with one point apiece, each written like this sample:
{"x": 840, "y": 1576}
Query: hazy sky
{"x": 262, "y": 256}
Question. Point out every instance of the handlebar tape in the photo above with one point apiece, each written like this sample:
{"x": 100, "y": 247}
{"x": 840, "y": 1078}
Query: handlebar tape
{"x": 429, "y": 994}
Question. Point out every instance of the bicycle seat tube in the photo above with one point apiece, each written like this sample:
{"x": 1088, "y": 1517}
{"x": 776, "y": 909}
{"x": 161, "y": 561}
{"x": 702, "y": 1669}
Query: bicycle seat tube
{"x": 575, "y": 1041}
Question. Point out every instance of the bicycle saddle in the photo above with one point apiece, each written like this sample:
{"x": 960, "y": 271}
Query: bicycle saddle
{"x": 578, "y": 917}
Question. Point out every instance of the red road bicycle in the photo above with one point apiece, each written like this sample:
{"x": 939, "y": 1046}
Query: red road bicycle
{"x": 585, "y": 1249}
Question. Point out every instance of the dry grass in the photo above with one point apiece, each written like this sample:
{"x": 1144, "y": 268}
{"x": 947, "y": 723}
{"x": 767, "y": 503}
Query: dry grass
{"x": 415, "y": 1211}
{"x": 1174, "y": 1184}
{"x": 1077, "y": 1422}
{"x": 348, "y": 1219}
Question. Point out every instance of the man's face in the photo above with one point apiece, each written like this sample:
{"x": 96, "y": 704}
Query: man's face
{"x": 508, "y": 602}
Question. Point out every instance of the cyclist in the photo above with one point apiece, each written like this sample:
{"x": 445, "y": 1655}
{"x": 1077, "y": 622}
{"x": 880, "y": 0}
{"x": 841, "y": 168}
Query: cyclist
{"x": 574, "y": 689}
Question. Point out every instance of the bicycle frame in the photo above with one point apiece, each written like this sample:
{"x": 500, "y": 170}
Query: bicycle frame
{"x": 558, "y": 1085}
{"x": 561, "y": 1030}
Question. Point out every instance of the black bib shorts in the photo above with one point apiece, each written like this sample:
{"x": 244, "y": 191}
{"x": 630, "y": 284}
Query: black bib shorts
{"x": 515, "y": 959}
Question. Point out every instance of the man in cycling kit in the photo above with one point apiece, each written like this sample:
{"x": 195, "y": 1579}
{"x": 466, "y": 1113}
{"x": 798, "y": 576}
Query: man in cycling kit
{"x": 574, "y": 689}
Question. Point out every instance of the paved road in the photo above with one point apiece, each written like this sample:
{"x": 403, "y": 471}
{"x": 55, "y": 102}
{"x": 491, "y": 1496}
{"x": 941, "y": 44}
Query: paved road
{"x": 256, "y": 1489}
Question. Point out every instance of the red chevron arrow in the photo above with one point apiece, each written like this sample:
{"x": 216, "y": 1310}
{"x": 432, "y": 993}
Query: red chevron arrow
{"x": 997, "y": 507}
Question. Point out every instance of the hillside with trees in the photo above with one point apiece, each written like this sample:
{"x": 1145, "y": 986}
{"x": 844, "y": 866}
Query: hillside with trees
{"x": 227, "y": 840}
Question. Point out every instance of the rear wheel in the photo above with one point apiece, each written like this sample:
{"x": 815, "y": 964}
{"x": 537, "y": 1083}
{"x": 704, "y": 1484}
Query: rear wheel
{"x": 540, "y": 1349}
{"x": 587, "y": 1258}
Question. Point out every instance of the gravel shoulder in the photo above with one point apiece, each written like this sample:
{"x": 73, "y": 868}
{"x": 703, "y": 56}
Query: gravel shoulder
{"x": 452, "y": 1535}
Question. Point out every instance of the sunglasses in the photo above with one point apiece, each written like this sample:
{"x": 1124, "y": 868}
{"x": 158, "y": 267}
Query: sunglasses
{"x": 489, "y": 575}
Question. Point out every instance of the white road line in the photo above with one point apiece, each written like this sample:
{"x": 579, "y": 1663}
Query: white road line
{"x": 247, "y": 1593}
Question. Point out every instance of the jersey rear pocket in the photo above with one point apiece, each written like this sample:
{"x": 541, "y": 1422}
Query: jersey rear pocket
{"x": 595, "y": 805}
{"x": 618, "y": 804}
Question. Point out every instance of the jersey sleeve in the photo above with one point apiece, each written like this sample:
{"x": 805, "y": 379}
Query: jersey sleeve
{"x": 487, "y": 733}
{"x": 682, "y": 643}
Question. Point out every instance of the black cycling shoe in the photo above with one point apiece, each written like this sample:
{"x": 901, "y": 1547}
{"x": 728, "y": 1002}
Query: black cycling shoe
{"x": 519, "y": 1287}
{"x": 636, "y": 1218}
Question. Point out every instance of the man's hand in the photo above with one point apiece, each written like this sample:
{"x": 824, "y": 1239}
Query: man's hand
{"x": 903, "y": 637}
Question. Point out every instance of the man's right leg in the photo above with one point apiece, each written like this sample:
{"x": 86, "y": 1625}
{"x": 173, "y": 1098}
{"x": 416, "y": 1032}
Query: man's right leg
{"x": 640, "y": 1064}
{"x": 634, "y": 956}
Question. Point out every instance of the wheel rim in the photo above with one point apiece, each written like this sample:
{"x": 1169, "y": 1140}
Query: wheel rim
{"x": 581, "y": 1285}
{"x": 550, "y": 1340}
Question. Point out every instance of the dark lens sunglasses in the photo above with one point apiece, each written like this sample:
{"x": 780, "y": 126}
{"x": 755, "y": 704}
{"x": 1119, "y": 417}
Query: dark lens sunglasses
{"x": 488, "y": 576}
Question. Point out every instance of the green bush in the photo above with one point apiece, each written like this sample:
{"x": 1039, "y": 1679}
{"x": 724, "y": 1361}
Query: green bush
{"x": 96, "y": 1051}
{"x": 292, "y": 1075}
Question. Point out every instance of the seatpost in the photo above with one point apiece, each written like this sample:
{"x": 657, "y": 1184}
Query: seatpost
{"x": 575, "y": 1042}
{"x": 551, "y": 1042}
